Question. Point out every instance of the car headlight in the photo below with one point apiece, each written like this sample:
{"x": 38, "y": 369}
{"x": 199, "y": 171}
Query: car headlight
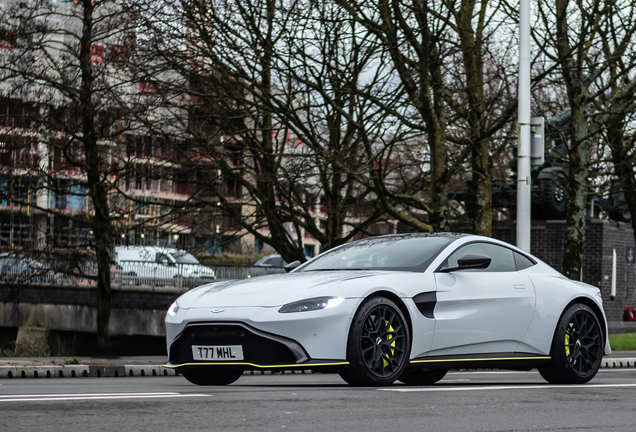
{"x": 173, "y": 309}
{"x": 311, "y": 304}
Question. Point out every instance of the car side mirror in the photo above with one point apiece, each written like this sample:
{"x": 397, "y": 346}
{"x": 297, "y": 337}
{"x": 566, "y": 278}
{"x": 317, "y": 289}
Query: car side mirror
{"x": 470, "y": 261}
{"x": 292, "y": 265}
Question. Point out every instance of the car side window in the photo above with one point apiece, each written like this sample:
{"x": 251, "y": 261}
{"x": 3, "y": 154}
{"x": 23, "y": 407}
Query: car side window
{"x": 162, "y": 259}
{"x": 502, "y": 258}
{"x": 522, "y": 261}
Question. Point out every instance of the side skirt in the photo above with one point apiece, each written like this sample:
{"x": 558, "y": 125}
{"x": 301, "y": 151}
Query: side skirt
{"x": 514, "y": 361}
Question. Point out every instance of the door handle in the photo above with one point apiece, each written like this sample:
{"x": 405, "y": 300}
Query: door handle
{"x": 519, "y": 286}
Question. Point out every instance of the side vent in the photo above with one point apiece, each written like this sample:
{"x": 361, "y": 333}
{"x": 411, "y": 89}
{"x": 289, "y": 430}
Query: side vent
{"x": 425, "y": 303}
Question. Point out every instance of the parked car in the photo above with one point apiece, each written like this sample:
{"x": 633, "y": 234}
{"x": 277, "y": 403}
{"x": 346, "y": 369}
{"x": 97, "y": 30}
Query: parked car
{"x": 157, "y": 263}
{"x": 404, "y": 307}
{"x": 270, "y": 264}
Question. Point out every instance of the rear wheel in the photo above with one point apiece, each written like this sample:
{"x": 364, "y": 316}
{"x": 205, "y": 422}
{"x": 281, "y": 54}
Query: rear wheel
{"x": 577, "y": 347}
{"x": 378, "y": 345}
{"x": 218, "y": 377}
{"x": 422, "y": 376}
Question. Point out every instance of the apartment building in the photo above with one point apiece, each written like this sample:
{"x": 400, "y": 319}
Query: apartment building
{"x": 44, "y": 200}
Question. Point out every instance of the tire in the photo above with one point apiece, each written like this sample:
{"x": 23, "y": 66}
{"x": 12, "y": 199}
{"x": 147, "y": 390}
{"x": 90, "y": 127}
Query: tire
{"x": 422, "y": 376}
{"x": 553, "y": 200}
{"x": 218, "y": 377}
{"x": 379, "y": 344}
{"x": 577, "y": 347}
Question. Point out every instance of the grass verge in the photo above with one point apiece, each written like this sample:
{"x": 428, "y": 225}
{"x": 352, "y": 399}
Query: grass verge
{"x": 623, "y": 341}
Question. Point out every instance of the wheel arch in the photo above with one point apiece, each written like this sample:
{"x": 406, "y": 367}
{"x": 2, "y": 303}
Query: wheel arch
{"x": 398, "y": 301}
{"x": 597, "y": 310}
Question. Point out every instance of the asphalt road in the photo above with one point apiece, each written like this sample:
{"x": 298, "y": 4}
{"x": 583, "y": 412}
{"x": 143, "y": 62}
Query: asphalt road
{"x": 463, "y": 401}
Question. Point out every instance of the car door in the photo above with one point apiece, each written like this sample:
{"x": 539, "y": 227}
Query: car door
{"x": 482, "y": 310}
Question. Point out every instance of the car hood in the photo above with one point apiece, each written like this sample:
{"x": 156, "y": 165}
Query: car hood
{"x": 267, "y": 291}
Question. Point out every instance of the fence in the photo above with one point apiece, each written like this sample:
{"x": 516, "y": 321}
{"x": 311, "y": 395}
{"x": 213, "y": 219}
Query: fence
{"x": 147, "y": 274}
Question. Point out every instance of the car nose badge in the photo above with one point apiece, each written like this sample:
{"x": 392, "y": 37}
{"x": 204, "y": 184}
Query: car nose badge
{"x": 218, "y": 310}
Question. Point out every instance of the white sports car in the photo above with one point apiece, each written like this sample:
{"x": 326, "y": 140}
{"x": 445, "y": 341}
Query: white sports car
{"x": 399, "y": 307}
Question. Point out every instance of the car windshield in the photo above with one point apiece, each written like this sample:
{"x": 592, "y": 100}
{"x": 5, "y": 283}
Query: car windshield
{"x": 184, "y": 258}
{"x": 387, "y": 253}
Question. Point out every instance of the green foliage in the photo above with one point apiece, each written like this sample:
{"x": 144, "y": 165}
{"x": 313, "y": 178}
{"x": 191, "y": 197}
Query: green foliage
{"x": 72, "y": 361}
{"x": 7, "y": 351}
{"x": 623, "y": 341}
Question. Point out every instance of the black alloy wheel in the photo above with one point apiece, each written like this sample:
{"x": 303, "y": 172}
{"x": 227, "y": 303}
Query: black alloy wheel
{"x": 379, "y": 344}
{"x": 216, "y": 377}
{"x": 422, "y": 376}
{"x": 577, "y": 347}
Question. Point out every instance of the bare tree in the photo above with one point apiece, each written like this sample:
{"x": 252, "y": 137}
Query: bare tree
{"x": 290, "y": 81}
{"x": 68, "y": 62}
{"x": 615, "y": 107}
{"x": 571, "y": 38}
{"x": 458, "y": 86}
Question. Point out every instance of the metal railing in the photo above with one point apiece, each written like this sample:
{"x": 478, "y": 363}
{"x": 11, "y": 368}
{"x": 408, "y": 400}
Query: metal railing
{"x": 131, "y": 274}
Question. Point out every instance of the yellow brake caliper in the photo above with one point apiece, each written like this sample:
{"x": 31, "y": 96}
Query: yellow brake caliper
{"x": 389, "y": 337}
{"x": 567, "y": 344}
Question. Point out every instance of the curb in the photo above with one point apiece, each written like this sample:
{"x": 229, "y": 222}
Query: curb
{"x": 619, "y": 362}
{"x": 68, "y": 371}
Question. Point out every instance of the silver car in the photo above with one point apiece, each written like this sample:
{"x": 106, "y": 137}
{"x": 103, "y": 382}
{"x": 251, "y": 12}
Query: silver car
{"x": 399, "y": 307}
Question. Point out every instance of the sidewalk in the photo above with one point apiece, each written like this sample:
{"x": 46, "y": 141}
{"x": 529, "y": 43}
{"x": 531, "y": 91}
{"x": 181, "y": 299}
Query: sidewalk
{"x": 35, "y": 367}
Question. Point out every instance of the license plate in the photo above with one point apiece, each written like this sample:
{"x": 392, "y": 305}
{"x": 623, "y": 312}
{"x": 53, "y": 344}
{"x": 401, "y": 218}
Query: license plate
{"x": 217, "y": 352}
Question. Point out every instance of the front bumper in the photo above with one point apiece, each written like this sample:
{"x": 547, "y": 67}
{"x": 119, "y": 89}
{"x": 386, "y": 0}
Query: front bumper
{"x": 269, "y": 339}
{"x": 260, "y": 350}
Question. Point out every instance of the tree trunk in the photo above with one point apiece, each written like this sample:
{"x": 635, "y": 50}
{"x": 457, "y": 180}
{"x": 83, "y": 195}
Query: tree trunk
{"x": 579, "y": 161}
{"x": 579, "y": 151}
{"x": 99, "y": 196}
{"x": 471, "y": 45}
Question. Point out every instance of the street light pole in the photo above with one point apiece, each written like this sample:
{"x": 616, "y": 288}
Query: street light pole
{"x": 523, "y": 150}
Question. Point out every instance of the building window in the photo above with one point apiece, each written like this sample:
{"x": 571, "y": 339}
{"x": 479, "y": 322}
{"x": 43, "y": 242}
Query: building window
{"x": 119, "y": 54}
{"x": 97, "y": 54}
{"x": 148, "y": 88}
{"x": 8, "y": 39}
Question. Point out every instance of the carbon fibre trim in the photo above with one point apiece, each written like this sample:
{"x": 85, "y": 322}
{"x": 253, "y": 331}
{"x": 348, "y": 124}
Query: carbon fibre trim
{"x": 519, "y": 361}
{"x": 260, "y": 348}
{"x": 309, "y": 364}
{"x": 425, "y": 303}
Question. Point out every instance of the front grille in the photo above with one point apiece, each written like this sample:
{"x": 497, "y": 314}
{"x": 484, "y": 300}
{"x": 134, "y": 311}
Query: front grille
{"x": 257, "y": 348}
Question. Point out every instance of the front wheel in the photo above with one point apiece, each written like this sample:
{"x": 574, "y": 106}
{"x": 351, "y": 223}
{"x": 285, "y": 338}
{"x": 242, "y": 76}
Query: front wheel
{"x": 577, "y": 347}
{"x": 378, "y": 345}
{"x": 218, "y": 377}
